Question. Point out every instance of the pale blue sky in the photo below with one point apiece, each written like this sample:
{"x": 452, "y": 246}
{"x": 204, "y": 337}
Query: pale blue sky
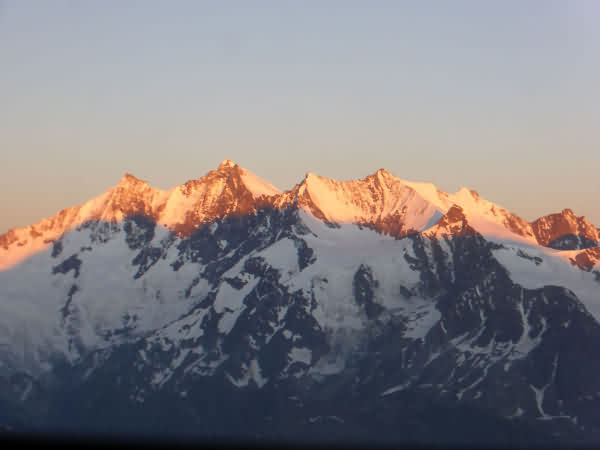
{"x": 500, "y": 96}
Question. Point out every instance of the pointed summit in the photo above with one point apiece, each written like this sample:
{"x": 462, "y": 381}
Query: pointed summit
{"x": 226, "y": 164}
{"x": 129, "y": 179}
{"x": 383, "y": 172}
{"x": 383, "y": 176}
{"x": 228, "y": 190}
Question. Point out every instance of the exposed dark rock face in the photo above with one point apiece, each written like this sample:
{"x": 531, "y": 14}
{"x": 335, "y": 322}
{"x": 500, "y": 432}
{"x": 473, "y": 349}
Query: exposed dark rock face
{"x": 536, "y": 259}
{"x": 572, "y": 242}
{"x": 305, "y": 253}
{"x": 364, "y": 288}
{"x": 57, "y": 248}
{"x": 139, "y": 231}
{"x": 145, "y": 259}
{"x": 71, "y": 263}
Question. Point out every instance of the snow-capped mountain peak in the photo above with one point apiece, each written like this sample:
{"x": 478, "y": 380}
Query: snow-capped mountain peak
{"x": 251, "y": 182}
{"x": 230, "y": 189}
{"x": 380, "y": 201}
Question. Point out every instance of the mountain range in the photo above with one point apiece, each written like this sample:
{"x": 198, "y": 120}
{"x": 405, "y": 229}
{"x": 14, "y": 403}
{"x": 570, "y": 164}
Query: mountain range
{"x": 376, "y": 309}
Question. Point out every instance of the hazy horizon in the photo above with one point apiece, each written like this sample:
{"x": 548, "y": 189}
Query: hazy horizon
{"x": 499, "y": 97}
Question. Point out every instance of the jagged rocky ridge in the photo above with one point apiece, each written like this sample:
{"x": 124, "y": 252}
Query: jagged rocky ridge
{"x": 376, "y": 308}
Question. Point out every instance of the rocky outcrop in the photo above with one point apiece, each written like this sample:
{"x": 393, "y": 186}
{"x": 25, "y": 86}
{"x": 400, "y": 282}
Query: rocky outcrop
{"x": 565, "y": 231}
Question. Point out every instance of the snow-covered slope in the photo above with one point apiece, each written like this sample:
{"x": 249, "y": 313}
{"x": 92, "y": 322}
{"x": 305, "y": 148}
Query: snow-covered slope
{"x": 488, "y": 218}
{"x": 82, "y": 293}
